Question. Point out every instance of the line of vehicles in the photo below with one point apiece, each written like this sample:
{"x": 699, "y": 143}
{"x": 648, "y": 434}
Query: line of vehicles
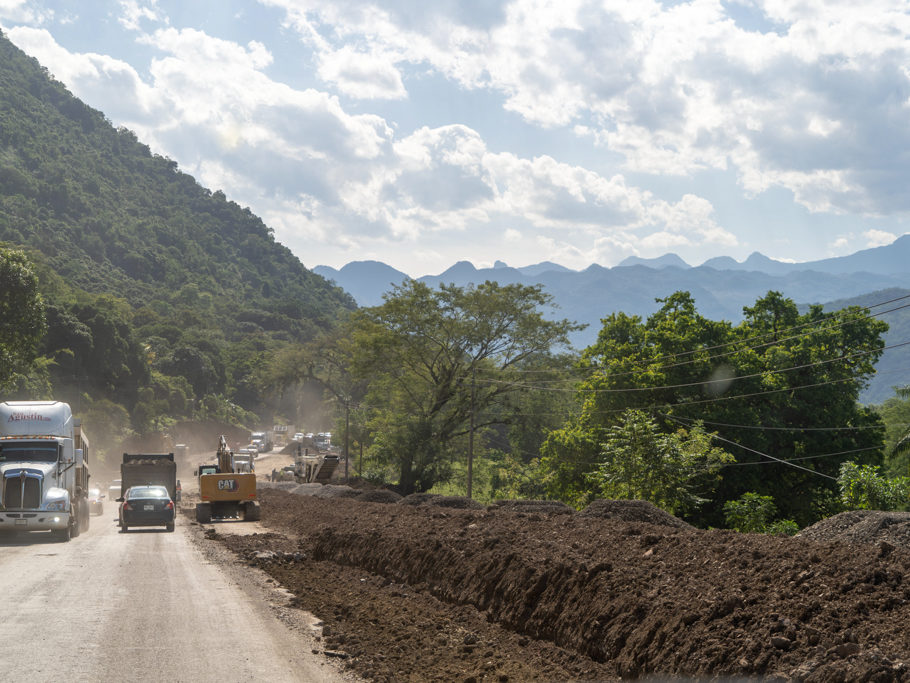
{"x": 44, "y": 477}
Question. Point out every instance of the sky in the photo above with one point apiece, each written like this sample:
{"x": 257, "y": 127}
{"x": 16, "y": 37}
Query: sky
{"x": 575, "y": 131}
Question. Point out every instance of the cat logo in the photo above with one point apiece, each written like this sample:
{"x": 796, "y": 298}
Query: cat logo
{"x": 227, "y": 485}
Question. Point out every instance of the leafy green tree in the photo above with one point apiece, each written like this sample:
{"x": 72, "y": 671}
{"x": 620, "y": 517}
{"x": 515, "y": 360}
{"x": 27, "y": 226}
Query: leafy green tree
{"x": 22, "y": 322}
{"x": 752, "y": 513}
{"x": 896, "y": 414}
{"x": 671, "y": 470}
{"x": 862, "y": 487}
{"x": 780, "y": 386}
{"x": 432, "y": 357}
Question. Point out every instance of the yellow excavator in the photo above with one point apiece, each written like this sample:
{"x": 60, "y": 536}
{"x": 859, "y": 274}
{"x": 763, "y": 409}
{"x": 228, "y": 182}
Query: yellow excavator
{"x": 225, "y": 492}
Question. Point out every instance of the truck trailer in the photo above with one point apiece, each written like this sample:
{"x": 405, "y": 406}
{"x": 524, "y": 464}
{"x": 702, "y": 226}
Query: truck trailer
{"x": 43, "y": 469}
{"x": 143, "y": 469}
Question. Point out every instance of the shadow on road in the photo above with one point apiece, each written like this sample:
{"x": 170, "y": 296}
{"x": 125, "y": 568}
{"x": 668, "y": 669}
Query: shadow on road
{"x": 10, "y": 539}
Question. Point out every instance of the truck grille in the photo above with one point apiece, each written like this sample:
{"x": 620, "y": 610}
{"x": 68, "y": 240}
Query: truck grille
{"x": 19, "y": 493}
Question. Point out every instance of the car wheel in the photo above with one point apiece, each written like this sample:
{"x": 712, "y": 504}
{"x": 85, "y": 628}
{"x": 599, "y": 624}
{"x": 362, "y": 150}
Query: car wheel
{"x": 169, "y": 527}
{"x": 124, "y": 528}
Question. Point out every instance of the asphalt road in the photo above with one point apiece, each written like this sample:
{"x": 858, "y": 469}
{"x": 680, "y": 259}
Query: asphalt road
{"x": 142, "y": 606}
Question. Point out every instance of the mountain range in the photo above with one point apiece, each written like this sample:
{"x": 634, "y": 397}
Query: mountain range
{"x": 721, "y": 288}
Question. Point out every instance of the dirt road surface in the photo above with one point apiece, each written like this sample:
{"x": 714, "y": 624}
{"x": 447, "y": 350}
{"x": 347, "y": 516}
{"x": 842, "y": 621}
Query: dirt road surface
{"x": 145, "y": 605}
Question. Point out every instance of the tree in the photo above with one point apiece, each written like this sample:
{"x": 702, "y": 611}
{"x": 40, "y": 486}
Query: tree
{"x": 433, "y": 358}
{"x": 22, "y": 322}
{"x": 780, "y": 386}
{"x": 896, "y": 414}
{"x": 862, "y": 487}
{"x": 754, "y": 514}
{"x": 672, "y": 470}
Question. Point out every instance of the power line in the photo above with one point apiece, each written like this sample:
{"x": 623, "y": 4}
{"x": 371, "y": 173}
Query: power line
{"x": 771, "y": 457}
{"x": 748, "y": 339}
{"x": 704, "y": 382}
{"x": 778, "y": 429}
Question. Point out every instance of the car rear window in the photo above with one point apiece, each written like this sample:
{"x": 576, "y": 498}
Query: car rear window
{"x": 147, "y": 492}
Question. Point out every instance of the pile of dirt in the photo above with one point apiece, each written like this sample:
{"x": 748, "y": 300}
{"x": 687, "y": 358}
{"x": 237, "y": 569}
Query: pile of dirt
{"x": 283, "y": 485}
{"x": 862, "y": 526}
{"x": 378, "y": 496}
{"x": 499, "y": 594}
{"x": 418, "y": 498}
{"x": 547, "y": 507}
{"x": 335, "y": 491}
{"x": 633, "y": 511}
{"x": 457, "y": 502}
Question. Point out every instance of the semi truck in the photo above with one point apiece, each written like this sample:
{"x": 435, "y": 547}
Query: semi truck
{"x": 143, "y": 469}
{"x": 44, "y": 476}
{"x": 262, "y": 440}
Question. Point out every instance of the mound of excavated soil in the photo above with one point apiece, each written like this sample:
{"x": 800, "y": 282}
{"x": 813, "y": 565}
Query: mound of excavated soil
{"x": 633, "y": 511}
{"x": 429, "y": 593}
{"x": 378, "y": 496}
{"x": 549, "y": 507}
{"x": 862, "y": 526}
{"x": 283, "y": 485}
{"x": 457, "y": 502}
{"x": 418, "y": 498}
{"x": 335, "y": 491}
{"x": 306, "y": 489}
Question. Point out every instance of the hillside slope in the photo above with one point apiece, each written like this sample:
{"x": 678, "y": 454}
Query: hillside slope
{"x": 109, "y": 216}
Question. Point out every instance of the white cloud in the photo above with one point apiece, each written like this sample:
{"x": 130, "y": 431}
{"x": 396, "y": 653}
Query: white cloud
{"x": 878, "y": 238}
{"x": 362, "y": 75}
{"x": 813, "y": 101}
{"x": 92, "y": 77}
{"x": 841, "y": 243}
{"x": 21, "y": 11}
{"x": 134, "y": 12}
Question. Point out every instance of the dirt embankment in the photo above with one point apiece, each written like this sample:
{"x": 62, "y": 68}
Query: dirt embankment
{"x": 537, "y": 592}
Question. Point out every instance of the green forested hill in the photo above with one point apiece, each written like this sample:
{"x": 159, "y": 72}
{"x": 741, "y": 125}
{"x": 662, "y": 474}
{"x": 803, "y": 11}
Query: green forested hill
{"x": 164, "y": 299}
{"x": 109, "y": 216}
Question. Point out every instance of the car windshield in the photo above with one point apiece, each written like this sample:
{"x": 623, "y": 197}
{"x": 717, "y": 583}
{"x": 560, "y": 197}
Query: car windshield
{"x": 94, "y": 493}
{"x": 147, "y": 492}
{"x": 28, "y": 452}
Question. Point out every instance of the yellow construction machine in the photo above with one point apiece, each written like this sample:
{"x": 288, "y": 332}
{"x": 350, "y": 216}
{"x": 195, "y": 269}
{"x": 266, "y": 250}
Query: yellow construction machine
{"x": 226, "y": 493}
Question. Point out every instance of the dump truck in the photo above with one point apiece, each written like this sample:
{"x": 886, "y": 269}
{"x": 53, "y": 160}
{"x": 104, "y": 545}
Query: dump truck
{"x": 44, "y": 476}
{"x": 144, "y": 469}
{"x": 263, "y": 441}
{"x": 225, "y": 492}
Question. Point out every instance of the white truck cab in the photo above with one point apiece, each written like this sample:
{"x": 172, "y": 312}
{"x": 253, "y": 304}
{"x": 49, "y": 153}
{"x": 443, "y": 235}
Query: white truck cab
{"x": 43, "y": 474}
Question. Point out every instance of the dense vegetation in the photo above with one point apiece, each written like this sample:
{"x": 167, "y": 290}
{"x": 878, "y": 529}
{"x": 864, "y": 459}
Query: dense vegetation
{"x": 146, "y": 301}
{"x": 162, "y": 297}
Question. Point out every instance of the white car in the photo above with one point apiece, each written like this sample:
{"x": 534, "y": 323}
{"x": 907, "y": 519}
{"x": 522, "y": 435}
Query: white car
{"x": 298, "y": 437}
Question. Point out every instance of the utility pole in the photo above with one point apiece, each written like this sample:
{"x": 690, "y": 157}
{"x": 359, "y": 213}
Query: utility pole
{"x": 347, "y": 424}
{"x": 471, "y": 435}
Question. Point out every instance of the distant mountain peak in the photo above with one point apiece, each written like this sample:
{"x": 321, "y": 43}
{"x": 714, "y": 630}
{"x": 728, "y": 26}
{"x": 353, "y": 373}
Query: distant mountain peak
{"x": 665, "y": 261}
{"x": 500, "y": 264}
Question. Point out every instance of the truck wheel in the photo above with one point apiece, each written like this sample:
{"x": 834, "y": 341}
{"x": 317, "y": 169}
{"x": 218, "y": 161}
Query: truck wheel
{"x": 203, "y": 513}
{"x": 252, "y": 512}
{"x": 169, "y": 526}
{"x": 75, "y": 522}
{"x": 63, "y": 535}
{"x": 86, "y": 512}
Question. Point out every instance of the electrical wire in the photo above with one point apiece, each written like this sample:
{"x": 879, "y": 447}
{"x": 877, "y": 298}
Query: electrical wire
{"x": 714, "y": 382}
{"x": 650, "y": 365}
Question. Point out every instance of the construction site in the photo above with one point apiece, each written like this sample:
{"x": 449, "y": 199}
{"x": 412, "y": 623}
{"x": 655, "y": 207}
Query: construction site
{"x": 445, "y": 588}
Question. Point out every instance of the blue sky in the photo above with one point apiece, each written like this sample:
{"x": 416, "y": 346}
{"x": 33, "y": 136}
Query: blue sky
{"x": 423, "y": 133}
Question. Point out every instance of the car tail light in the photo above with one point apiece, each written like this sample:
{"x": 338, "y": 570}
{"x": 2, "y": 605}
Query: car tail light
{"x": 126, "y": 506}
{"x": 170, "y": 505}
